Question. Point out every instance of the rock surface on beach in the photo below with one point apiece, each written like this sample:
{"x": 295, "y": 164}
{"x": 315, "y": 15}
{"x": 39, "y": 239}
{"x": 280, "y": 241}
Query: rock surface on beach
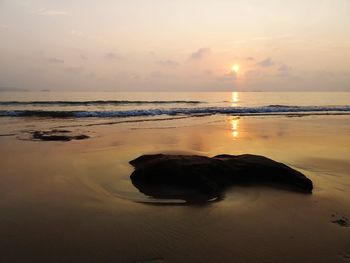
{"x": 200, "y": 178}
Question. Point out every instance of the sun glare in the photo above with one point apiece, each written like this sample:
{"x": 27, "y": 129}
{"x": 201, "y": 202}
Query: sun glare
{"x": 235, "y": 68}
{"x": 234, "y": 126}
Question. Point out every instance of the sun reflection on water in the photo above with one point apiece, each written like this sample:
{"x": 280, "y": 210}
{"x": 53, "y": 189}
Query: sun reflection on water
{"x": 234, "y": 126}
{"x": 234, "y": 100}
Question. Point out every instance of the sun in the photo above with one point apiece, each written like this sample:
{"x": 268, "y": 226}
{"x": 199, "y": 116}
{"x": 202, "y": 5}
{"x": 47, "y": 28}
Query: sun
{"x": 235, "y": 68}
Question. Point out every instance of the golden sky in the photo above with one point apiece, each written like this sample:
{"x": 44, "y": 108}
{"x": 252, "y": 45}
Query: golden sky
{"x": 175, "y": 45}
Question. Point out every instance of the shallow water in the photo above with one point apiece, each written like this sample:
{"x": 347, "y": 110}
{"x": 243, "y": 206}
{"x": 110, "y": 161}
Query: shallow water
{"x": 136, "y": 104}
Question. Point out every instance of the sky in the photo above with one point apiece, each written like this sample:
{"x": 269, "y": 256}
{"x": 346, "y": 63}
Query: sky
{"x": 160, "y": 45}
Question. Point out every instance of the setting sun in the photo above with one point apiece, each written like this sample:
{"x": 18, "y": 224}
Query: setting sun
{"x": 235, "y": 68}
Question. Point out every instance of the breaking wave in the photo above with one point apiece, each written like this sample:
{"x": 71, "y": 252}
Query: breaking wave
{"x": 240, "y": 111}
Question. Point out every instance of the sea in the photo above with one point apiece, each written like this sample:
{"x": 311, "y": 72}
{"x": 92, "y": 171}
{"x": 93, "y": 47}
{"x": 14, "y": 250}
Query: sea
{"x": 51, "y": 104}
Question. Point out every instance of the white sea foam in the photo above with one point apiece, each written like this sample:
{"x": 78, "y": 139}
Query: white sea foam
{"x": 240, "y": 111}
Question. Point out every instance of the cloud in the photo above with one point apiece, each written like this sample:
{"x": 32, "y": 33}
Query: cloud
{"x": 249, "y": 58}
{"x": 51, "y": 12}
{"x": 157, "y": 74}
{"x": 113, "y": 56}
{"x": 284, "y": 68}
{"x": 263, "y": 38}
{"x": 230, "y": 76}
{"x": 266, "y": 63}
{"x": 200, "y": 53}
{"x": 161, "y": 75}
{"x": 90, "y": 75}
{"x": 83, "y": 57}
{"x": 74, "y": 70}
{"x": 152, "y": 54}
{"x": 76, "y": 33}
{"x": 3, "y": 26}
{"x": 207, "y": 72}
{"x": 36, "y": 70}
{"x": 254, "y": 74}
{"x": 55, "y": 60}
{"x": 168, "y": 63}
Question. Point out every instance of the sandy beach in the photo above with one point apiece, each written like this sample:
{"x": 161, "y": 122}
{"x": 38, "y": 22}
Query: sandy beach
{"x": 74, "y": 202}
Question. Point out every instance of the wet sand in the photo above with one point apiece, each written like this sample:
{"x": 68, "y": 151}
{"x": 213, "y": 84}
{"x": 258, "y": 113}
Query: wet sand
{"x": 74, "y": 202}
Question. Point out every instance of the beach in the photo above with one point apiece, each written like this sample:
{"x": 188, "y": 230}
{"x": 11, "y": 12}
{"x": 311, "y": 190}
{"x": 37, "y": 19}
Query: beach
{"x": 74, "y": 201}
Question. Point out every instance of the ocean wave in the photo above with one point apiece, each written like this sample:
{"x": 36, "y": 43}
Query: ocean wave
{"x": 96, "y": 102}
{"x": 240, "y": 111}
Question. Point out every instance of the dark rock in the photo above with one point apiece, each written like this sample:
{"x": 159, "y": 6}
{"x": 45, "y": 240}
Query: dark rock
{"x": 57, "y": 135}
{"x": 200, "y": 178}
{"x": 341, "y": 222}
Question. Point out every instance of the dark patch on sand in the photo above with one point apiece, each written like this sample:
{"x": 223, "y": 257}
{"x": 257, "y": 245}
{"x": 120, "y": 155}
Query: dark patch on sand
{"x": 340, "y": 220}
{"x": 200, "y": 179}
{"x": 57, "y": 135}
{"x": 346, "y": 256}
{"x": 7, "y": 134}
